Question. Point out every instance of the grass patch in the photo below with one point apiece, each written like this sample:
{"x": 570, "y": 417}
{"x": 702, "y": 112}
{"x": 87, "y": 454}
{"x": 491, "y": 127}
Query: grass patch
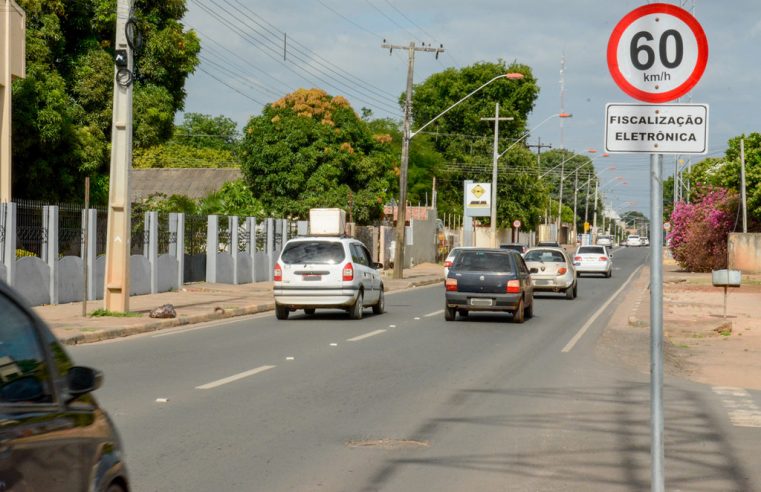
{"x": 682, "y": 345}
{"x": 725, "y": 333}
{"x": 114, "y": 314}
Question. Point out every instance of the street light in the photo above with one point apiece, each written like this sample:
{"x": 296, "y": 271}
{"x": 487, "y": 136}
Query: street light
{"x": 407, "y": 135}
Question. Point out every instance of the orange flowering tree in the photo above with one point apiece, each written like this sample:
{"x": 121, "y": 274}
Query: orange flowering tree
{"x": 310, "y": 149}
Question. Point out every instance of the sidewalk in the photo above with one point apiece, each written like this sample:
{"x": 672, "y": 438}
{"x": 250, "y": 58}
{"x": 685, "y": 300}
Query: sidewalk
{"x": 194, "y": 303}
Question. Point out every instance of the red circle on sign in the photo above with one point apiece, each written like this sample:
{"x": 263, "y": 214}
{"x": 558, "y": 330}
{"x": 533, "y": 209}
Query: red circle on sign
{"x": 516, "y": 223}
{"x": 657, "y": 8}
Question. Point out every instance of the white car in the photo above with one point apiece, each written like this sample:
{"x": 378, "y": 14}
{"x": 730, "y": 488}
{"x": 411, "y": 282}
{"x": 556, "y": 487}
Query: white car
{"x": 327, "y": 272}
{"x": 605, "y": 241}
{"x": 633, "y": 240}
{"x": 645, "y": 241}
{"x": 593, "y": 259}
{"x": 555, "y": 271}
{"x": 451, "y": 257}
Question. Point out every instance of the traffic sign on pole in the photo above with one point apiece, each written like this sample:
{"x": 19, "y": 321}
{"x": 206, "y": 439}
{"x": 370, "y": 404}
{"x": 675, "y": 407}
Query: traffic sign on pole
{"x": 516, "y": 223}
{"x": 657, "y": 52}
{"x": 656, "y": 128}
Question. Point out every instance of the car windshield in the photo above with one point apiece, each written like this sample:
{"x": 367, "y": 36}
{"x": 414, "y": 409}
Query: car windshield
{"x": 308, "y": 252}
{"x": 546, "y": 256}
{"x": 483, "y": 261}
{"x": 514, "y": 247}
{"x": 592, "y": 250}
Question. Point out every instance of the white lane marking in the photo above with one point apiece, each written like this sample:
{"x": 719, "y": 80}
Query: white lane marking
{"x": 435, "y": 313}
{"x": 366, "y": 335}
{"x": 234, "y": 377}
{"x": 417, "y": 318}
{"x": 569, "y": 346}
{"x": 334, "y": 344}
{"x": 739, "y": 404}
{"x": 211, "y": 324}
{"x": 290, "y": 358}
{"x": 392, "y": 326}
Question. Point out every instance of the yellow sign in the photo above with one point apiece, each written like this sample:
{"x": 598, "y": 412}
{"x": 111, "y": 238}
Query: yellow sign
{"x": 478, "y": 191}
{"x": 586, "y": 226}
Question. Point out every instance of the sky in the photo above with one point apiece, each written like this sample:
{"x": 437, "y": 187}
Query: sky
{"x": 336, "y": 45}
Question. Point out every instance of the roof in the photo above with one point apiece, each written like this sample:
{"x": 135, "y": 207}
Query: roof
{"x": 194, "y": 183}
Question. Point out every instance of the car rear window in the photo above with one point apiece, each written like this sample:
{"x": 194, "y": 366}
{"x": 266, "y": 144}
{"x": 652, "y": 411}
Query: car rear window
{"x": 483, "y": 261}
{"x": 311, "y": 252}
{"x": 545, "y": 256}
{"x": 592, "y": 250}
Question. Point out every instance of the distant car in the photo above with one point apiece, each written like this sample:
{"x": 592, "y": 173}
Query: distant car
{"x": 605, "y": 241}
{"x": 548, "y": 244}
{"x": 485, "y": 279}
{"x": 555, "y": 271}
{"x": 520, "y": 248}
{"x": 451, "y": 257}
{"x": 645, "y": 241}
{"x": 53, "y": 434}
{"x": 327, "y": 272}
{"x": 593, "y": 259}
{"x": 633, "y": 240}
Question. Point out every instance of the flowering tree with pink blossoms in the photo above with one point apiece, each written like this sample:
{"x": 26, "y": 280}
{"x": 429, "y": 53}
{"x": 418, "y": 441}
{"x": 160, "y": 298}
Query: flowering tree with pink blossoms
{"x": 699, "y": 230}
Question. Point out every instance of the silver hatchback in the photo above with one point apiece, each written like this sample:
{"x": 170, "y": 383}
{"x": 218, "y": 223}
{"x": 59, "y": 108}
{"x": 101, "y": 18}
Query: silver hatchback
{"x": 327, "y": 272}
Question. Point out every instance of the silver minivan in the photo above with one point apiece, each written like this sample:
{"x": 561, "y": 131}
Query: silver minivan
{"x": 327, "y": 272}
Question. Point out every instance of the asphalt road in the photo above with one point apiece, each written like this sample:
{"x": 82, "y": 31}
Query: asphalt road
{"x": 405, "y": 401}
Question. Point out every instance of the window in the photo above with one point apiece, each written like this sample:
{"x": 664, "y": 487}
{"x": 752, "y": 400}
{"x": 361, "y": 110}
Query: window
{"x": 358, "y": 254}
{"x": 483, "y": 261}
{"x": 592, "y": 250}
{"x": 313, "y": 252}
{"x": 24, "y": 375}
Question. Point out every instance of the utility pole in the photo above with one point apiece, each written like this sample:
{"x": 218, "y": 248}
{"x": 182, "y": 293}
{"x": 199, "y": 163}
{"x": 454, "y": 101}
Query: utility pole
{"x": 560, "y": 199}
{"x": 539, "y": 146}
{"x": 594, "y": 214}
{"x": 402, "y": 216}
{"x": 495, "y": 157}
{"x": 12, "y": 66}
{"x": 116, "y": 288}
{"x": 575, "y": 196}
{"x": 586, "y": 207}
{"x": 742, "y": 185}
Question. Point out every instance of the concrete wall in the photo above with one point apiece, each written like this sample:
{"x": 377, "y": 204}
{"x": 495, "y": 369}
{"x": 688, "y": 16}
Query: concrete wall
{"x": 244, "y": 268}
{"x": 35, "y": 287}
{"x": 261, "y": 267}
{"x": 423, "y": 248}
{"x": 140, "y": 275}
{"x": 744, "y": 252}
{"x": 167, "y": 275}
{"x": 70, "y": 284}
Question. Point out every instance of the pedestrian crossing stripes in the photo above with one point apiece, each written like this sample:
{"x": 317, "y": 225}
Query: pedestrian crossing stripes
{"x": 743, "y": 412}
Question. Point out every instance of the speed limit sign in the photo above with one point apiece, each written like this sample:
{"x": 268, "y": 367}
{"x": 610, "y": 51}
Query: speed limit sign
{"x": 657, "y": 52}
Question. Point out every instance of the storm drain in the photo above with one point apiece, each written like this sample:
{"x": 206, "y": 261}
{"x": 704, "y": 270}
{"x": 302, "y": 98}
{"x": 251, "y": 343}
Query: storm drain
{"x": 388, "y": 444}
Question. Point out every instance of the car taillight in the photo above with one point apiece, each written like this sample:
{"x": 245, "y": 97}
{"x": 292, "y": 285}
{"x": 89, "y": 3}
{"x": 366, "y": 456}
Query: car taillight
{"x": 603, "y": 258}
{"x": 577, "y": 258}
{"x": 447, "y": 264}
{"x": 348, "y": 272}
{"x": 562, "y": 270}
{"x": 451, "y": 284}
{"x": 278, "y": 273}
{"x": 513, "y": 287}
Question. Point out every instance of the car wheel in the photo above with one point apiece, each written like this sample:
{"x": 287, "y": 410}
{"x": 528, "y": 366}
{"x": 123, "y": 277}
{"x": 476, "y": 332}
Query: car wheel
{"x": 380, "y": 307}
{"x": 519, "y": 315}
{"x": 576, "y": 289}
{"x": 610, "y": 273}
{"x": 310, "y": 311}
{"x": 281, "y": 312}
{"x": 357, "y": 308}
{"x": 528, "y": 312}
{"x": 570, "y": 292}
{"x": 115, "y": 487}
{"x": 463, "y": 312}
{"x": 450, "y": 313}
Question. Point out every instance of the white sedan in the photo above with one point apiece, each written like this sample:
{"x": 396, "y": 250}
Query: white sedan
{"x": 593, "y": 259}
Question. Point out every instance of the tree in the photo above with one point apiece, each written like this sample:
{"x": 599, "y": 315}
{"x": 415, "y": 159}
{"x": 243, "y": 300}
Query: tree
{"x": 699, "y": 229}
{"x": 62, "y": 109}
{"x": 310, "y": 149}
{"x": 464, "y": 142}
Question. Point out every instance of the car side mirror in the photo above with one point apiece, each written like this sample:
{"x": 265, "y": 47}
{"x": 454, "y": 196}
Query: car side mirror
{"x": 611, "y": 255}
{"x": 378, "y": 266}
{"x": 534, "y": 270}
{"x": 81, "y": 380}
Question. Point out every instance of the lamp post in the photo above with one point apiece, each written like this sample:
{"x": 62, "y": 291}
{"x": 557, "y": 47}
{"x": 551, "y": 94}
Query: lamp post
{"x": 620, "y": 180}
{"x": 407, "y": 135}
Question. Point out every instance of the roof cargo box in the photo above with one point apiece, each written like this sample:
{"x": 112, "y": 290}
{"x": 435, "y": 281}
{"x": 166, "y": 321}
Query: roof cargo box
{"x": 327, "y": 221}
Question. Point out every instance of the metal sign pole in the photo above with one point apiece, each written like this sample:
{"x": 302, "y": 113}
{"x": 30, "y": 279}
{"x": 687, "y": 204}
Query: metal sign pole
{"x": 656, "y": 321}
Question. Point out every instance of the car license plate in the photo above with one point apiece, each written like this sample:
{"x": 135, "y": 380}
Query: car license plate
{"x": 312, "y": 277}
{"x": 481, "y": 302}
{"x": 544, "y": 282}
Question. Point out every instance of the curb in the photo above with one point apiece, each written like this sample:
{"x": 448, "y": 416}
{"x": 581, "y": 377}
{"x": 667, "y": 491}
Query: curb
{"x": 100, "y": 335}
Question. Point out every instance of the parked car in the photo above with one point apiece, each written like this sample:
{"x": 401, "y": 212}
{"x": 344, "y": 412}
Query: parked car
{"x": 53, "y": 434}
{"x": 451, "y": 257}
{"x": 555, "y": 271}
{"x": 593, "y": 259}
{"x": 633, "y": 240}
{"x": 605, "y": 240}
{"x": 327, "y": 272}
{"x": 520, "y": 248}
{"x": 645, "y": 241}
{"x": 485, "y": 279}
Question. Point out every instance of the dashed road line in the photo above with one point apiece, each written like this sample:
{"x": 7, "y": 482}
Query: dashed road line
{"x": 435, "y": 313}
{"x": 366, "y": 335}
{"x": 743, "y": 412}
{"x": 234, "y": 377}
